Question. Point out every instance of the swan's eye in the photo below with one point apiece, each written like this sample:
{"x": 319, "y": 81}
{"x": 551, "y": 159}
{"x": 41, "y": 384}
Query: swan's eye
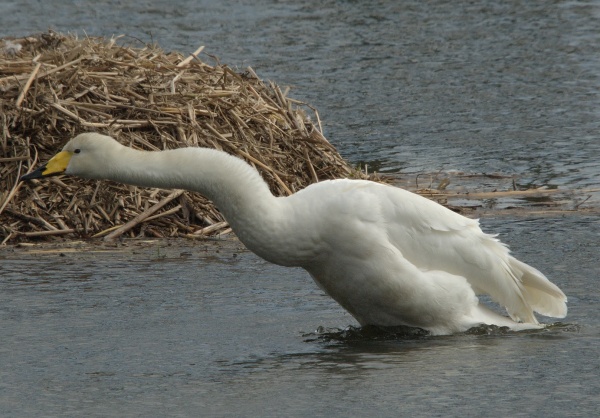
{"x": 77, "y": 151}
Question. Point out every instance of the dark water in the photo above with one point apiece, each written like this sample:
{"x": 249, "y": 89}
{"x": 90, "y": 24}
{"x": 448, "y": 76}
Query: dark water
{"x": 408, "y": 87}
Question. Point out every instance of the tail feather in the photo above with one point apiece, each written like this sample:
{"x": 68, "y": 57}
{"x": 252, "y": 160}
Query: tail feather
{"x": 540, "y": 294}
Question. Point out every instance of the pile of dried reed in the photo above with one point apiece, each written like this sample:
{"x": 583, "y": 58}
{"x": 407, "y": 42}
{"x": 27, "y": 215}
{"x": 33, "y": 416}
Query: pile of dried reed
{"x": 54, "y": 86}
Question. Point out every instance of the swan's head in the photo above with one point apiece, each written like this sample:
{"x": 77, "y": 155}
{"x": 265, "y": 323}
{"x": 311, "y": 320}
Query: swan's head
{"x": 85, "y": 156}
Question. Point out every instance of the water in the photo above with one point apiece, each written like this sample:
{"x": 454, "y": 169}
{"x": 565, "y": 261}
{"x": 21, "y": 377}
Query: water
{"x": 406, "y": 87}
{"x": 184, "y": 329}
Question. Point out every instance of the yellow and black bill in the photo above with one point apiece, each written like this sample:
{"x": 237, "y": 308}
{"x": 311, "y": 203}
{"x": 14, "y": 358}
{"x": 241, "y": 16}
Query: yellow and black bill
{"x": 56, "y": 166}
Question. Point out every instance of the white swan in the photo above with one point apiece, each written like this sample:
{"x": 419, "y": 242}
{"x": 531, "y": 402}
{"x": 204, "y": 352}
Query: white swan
{"x": 388, "y": 256}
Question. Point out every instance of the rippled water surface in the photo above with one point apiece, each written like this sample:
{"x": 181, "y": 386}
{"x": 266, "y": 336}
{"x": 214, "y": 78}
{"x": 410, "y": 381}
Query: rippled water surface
{"x": 455, "y": 89}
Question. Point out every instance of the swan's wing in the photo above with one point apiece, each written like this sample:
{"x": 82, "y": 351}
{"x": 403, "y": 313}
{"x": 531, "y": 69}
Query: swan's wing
{"x": 433, "y": 237}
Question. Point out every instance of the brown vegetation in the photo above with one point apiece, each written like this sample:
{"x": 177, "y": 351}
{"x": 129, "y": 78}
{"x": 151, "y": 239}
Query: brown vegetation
{"x": 54, "y": 86}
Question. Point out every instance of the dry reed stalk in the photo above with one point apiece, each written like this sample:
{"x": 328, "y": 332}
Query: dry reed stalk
{"x": 142, "y": 216}
{"x": 57, "y": 86}
{"x": 28, "y": 84}
{"x": 47, "y": 233}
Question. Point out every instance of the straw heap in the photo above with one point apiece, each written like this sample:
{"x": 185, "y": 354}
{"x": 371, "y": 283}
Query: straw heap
{"x": 54, "y": 86}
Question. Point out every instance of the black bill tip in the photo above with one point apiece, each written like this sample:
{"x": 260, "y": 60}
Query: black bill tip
{"x": 36, "y": 174}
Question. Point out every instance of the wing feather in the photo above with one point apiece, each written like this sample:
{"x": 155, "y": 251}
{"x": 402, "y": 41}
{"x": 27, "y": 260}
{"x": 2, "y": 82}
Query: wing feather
{"x": 433, "y": 237}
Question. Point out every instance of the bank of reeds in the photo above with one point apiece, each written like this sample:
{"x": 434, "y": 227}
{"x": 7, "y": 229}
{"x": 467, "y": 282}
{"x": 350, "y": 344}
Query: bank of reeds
{"x": 54, "y": 86}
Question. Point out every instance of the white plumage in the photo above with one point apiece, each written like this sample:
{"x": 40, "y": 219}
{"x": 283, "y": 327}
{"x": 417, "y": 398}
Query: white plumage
{"x": 388, "y": 256}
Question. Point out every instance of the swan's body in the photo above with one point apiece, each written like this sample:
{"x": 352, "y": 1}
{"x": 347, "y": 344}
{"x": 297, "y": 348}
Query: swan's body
{"x": 388, "y": 256}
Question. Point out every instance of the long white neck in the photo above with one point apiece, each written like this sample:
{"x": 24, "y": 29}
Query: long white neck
{"x": 257, "y": 217}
